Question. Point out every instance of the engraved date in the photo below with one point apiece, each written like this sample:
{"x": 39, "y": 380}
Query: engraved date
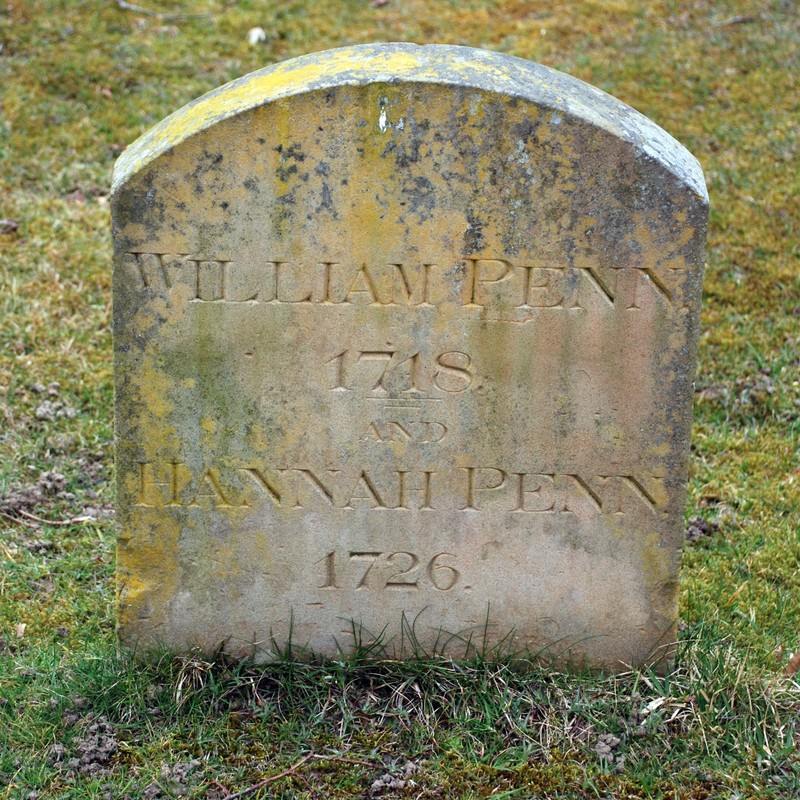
{"x": 382, "y": 372}
{"x": 371, "y": 569}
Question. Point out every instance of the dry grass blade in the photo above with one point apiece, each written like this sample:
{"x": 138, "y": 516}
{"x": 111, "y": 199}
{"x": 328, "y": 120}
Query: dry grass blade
{"x": 54, "y": 522}
{"x": 19, "y": 521}
{"x": 171, "y": 16}
{"x": 292, "y": 772}
{"x": 741, "y": 19}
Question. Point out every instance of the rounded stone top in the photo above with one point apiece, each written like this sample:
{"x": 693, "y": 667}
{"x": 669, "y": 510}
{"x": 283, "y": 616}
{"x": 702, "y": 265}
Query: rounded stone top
{"x": 448, "y": 65}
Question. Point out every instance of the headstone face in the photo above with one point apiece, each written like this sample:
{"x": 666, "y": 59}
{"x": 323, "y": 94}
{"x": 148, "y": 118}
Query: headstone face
{"x": 405, "y": 343}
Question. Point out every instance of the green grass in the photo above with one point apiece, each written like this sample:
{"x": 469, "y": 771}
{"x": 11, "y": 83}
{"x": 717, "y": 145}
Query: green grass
{"x": 78, "y": 82}
{"x": 466, "y": 729}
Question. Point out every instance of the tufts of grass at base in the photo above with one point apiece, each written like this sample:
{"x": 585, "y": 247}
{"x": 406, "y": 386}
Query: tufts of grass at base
{"x": 76, "y": 725}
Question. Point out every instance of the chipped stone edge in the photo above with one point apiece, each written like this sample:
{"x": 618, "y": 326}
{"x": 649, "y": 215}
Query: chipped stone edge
{"x": 448, "y": 65}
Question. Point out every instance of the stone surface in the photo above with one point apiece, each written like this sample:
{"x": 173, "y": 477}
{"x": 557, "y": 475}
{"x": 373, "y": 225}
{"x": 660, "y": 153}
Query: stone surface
{"x": 405, "y": 342}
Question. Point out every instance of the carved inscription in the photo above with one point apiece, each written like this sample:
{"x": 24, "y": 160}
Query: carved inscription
{"x": 414, "y": 431}
{"x": 467, "y": 489}
{"x": 357, "y": 570}
{"x": 511, "y": 288}
{"x": 389, "y": 371}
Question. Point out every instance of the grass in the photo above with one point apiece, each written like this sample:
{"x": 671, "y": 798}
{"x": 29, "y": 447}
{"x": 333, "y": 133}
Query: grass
{"x": 454, "y": 730}
{"x": 79, "y": 82}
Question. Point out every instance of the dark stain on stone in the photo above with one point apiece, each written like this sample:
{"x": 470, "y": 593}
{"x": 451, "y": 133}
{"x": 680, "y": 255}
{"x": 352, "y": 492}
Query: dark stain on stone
{"x": 250, "y": 184}
{"x": 141, "y": 206}
{"x": 206, "y": 164}
{"x": 286, "y": 199}
{"x": 457, "y": 176}
{"x": 404, "y": 155}
{"x": 209, "y": 161}
{"x": 421, "y": 198}
{"x": 473, "y": 235}
{"x": 284, "y": 173}
{"x": 295, "y": 151}
{"x": 526, "y": 130}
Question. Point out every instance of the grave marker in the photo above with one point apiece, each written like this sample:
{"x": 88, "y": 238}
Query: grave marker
{"x": 405, "y": 343}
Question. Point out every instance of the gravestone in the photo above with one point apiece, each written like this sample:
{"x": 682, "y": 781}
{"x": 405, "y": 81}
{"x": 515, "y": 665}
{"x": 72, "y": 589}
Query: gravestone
{"x": 404, "y": 341}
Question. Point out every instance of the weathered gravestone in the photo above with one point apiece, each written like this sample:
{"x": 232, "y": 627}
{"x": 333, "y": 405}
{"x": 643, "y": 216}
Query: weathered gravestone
{"x": 404, "y": 351}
